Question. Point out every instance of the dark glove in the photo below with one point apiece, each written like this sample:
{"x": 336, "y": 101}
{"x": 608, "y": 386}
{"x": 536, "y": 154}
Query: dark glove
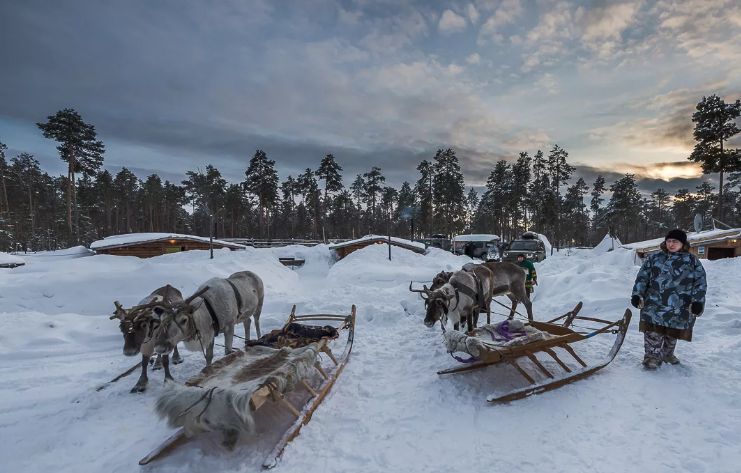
{"x": 636, "y": 301}
{"x": 696, "y": 308}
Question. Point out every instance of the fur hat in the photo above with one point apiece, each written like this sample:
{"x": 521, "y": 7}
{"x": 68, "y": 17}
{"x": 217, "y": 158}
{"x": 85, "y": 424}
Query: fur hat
{"x": 677, "y": 234}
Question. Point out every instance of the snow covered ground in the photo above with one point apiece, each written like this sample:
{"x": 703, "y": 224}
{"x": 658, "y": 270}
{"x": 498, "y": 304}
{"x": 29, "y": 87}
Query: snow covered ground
{"x": 389, "y": 411}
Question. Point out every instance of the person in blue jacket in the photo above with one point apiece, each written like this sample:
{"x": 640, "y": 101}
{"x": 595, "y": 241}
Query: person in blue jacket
{"x": 670, "y": 291}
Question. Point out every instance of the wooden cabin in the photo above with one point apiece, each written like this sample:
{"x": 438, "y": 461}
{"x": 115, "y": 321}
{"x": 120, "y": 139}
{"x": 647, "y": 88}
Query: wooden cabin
{"x": 147, "y": 245}
{"x": 345, "y": 248}
{"x": 710, "y": 244}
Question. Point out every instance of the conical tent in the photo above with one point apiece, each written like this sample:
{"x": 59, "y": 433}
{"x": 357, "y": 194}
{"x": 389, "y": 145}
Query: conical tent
{"x": 608, "y": 243}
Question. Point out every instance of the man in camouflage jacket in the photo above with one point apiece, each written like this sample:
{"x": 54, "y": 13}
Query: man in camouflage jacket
{"x": 670, "y": 291}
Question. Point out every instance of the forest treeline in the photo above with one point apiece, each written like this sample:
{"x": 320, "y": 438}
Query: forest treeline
{"x": 537, "y": 191}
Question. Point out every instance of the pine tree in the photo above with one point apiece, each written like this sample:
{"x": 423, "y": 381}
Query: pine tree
{"x": 125, "y": 186}
{"x": 329, "y": 172}
{"x": 309, "y": 188}
{"x": 78, "y": 147}
{"x": 262, "y": 182}
{"x": 374, "y": 181}
{"x": 683, "y": 208}
{"x": 624, "y": 208}
{"x": 407, "y": 208}
{"x": 575, "y": 212}
{"x": 4, "y": 206}
{"x": 560, "y": 172}
{"x": 448, "y": 192}
{"x": 472, "y": 203}
{"x": 519, "y": 190}
{"x": 424, "y": 190}
{"x": 714, "y": 125}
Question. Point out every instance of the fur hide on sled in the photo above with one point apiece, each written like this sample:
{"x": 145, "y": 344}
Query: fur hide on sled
{"x": 505, "y": 334}
{"x": 220, "y": 398}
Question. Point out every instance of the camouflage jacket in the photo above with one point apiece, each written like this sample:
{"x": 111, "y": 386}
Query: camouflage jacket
{"x": 668, "y": 284}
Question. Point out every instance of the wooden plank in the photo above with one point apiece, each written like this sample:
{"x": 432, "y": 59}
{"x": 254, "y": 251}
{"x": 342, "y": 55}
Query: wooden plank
{"x": 514, "y": 363}
{"x": 558, "y": 360}
{"x": 169, "y": 444}
{"x": 573, "y": 354}
{"x": 537, "y": 363}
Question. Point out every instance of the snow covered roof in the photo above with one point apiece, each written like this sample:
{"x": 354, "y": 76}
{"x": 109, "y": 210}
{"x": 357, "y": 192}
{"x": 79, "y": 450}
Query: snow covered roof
{"x": 412, "y": 245}
{"x": 476, "y": 237}
{"x": 10, "y": 261}
{"x": 694, "y": 238}
{"x": 116, "y": 241}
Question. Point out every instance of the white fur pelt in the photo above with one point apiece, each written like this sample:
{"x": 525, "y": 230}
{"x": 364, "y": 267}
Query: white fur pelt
{"x": 489, "y": 336}
{"x": 221, "y": 401}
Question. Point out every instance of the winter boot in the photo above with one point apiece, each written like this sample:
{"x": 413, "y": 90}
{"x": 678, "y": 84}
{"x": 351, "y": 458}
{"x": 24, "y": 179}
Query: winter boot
{"x": 671, "y": 359}
{"x": 651, "y": 363}
{"x": 668, "y": 350}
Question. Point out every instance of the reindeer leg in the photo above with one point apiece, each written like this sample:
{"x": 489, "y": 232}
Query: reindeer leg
{"x": 166, "y": 365}
{"x": 521, "y": 295}
{"x": 141, "y": 384}
{"x": 209, "y": 353}
{"x": 157, "y": 363}
{"x": 513, "y": 308}
{"x": 228, "y": 338}
{"x": 257, "y": 324}
{"x": 246, "y": 325}
{"x": 529, "y": 307}
{"x": 176, "y": 358}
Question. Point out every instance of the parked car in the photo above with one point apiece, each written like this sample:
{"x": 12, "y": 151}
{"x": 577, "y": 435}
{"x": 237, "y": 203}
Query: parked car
{"x": 483, "y": 246}
{"x": 529, "y": 245}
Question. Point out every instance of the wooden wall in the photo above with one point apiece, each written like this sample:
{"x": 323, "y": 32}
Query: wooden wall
{"x": 156, "y": 248}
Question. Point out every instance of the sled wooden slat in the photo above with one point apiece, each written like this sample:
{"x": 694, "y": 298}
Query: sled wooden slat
{"x": 558, "y": 360}
{"x": 574, "y": 355}
{"x": 540, "y": 366}
{"x": 562, "y": 336}
{"x": 524, "y": 373}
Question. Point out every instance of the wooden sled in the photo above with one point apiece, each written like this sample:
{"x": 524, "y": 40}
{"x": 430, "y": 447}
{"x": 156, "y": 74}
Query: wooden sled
{"x": 267, "y": 394}
{"x": 561, "y": 336}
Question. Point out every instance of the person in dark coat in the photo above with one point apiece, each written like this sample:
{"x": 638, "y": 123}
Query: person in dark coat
{"x": 670, "y": 291}
{"x": 531, "y": 279}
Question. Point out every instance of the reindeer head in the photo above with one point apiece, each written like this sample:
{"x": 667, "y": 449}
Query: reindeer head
{"x": 176, "y": 323}
{"x": 437, "y": 304}
{"x": 137, "y": 325}
{"x": 440, "y": 279}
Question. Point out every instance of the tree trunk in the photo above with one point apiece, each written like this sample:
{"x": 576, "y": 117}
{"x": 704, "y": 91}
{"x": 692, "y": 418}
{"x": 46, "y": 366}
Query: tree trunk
{"x": 720, "y": 188}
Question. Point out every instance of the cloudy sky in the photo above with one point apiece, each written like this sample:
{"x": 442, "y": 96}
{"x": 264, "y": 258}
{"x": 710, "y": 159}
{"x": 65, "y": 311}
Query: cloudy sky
{"x": 175, "y": 85}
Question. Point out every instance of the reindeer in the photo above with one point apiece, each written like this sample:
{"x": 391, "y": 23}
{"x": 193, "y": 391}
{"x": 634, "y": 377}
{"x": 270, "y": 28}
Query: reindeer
{"x": 139, "y": 326}
{"x": 463, "y": 296}
{"x": 218, "y": 305}
{"x": 509, "y": 280}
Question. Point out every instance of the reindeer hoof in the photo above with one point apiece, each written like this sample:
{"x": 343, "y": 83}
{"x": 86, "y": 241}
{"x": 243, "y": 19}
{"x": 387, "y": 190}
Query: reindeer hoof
{"x": 139, "y": 388}
{"x": 177, "y": 361}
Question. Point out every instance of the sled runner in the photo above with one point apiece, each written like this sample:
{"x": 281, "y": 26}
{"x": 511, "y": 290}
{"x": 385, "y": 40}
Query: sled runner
{"x": 224, "y": 396}
{"x": 510, "y": 340}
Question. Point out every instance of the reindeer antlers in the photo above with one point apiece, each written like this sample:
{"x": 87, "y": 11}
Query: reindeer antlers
{"x": 116, "y": 314}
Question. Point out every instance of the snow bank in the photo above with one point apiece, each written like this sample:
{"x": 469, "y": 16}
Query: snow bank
{"x": 90, "y": 285}
{"x": 10, "y": 260}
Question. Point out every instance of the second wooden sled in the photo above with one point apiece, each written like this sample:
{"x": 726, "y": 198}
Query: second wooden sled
{"x": 556, "y": 335}
{"x": 268, "y": 392}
